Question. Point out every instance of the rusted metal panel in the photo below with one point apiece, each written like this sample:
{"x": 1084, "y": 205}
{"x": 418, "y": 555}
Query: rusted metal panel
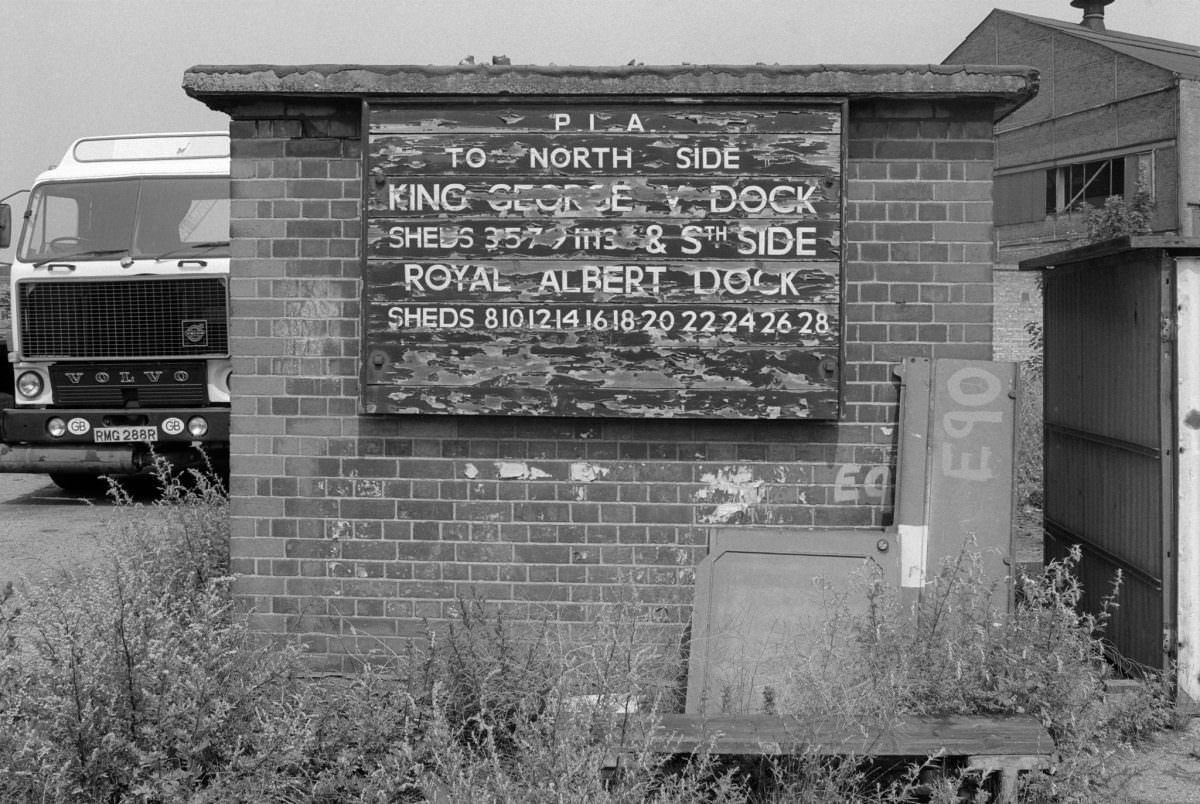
{"x": 956, "y": 466}
{"x": 763, "y": 597}
{"x": 971, "y": 462}
{"x": 667, "y": 259}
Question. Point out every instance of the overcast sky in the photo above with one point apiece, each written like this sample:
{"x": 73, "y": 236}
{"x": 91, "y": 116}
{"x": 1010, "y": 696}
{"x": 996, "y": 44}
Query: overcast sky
{"x": 71, "y": 68}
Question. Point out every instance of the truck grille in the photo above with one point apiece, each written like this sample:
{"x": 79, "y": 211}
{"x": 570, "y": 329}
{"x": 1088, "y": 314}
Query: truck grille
{"x": 124, "y": 385}
{"x": 143, "y": 317}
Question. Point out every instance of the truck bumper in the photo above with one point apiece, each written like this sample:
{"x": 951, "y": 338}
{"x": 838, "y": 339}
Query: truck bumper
{"x": 97, "y": 460}
{"x": 27, "y": 448}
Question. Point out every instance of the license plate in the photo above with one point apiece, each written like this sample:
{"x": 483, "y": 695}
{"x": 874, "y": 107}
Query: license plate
{"x": 115, "y": 435}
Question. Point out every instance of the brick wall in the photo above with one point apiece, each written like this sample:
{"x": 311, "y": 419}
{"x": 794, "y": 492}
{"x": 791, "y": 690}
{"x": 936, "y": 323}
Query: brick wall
{"x": 1189, "y": 158}
{"x": 1018, "y": 304}
{"x": 348, "y": 530}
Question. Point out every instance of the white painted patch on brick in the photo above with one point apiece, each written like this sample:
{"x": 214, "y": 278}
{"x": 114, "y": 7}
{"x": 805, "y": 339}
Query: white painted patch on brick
{"x": 731, "y": 483}
{"x": 587, "y": 472}
{"x": 725, "y": 512}
{"x": 518, "y": 470}
{"x": 914, "y": 547}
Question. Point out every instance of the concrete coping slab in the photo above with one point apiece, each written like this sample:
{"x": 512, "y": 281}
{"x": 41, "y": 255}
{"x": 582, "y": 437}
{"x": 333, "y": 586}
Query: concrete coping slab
{"x": 1005, "y": 86}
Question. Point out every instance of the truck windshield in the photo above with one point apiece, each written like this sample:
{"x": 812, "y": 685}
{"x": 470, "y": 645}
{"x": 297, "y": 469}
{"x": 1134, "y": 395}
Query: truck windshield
{"x": 145, "y": 218}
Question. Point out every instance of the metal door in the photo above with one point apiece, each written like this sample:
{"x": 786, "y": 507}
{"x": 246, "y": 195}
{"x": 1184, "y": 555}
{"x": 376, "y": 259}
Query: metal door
{"x": 1108, "y": 463}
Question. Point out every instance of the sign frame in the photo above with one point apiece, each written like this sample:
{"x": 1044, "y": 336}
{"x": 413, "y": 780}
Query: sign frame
{"x": 434, "y": 314}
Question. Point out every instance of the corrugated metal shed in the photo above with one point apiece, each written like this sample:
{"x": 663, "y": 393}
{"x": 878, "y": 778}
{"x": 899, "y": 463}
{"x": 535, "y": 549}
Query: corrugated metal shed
{"x": 1122, "y": 439}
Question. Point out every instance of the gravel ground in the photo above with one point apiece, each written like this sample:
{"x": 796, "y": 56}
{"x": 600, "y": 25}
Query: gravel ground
{"x": 43, "y": 528}
{"x": 1165, "y": 769}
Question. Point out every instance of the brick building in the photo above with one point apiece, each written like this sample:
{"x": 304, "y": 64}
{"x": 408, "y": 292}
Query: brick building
{"x": 1115, "y": 112}
{"x": 353, "y": 520}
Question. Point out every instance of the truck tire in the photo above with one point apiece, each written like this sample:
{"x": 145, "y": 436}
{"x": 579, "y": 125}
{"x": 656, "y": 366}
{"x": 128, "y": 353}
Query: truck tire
{"x": 80, "y": 484}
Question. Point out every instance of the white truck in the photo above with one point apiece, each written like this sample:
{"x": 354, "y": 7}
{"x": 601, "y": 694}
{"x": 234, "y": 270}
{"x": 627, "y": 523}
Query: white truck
{"x": 119, "y": 294}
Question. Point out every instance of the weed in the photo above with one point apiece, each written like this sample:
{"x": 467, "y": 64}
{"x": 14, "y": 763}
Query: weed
{"x": 131, "y": 679}
{"x": 961, "y": 651}
{"x": 1119, "y": 216}
{"x": 136, "y": 681}
{"x": 1030, "y": 423}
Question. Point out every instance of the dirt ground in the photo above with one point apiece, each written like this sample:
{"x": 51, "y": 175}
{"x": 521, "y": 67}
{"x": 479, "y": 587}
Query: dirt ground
{"x": 1164, "y": 769}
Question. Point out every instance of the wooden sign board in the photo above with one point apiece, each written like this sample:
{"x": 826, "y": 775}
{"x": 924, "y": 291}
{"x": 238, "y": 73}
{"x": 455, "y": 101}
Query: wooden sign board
{"x": 666, "y": 259}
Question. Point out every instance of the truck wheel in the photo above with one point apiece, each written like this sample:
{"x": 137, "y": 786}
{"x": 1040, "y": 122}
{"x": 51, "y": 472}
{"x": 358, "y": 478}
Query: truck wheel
{"x": 83, "y": 485}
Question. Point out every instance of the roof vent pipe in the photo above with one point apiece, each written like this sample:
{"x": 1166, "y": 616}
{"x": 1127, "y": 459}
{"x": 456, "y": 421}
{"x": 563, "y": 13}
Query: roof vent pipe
{"x": 1093, "y": 13}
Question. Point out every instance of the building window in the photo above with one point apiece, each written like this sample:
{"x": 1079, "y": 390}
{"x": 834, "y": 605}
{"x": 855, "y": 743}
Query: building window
{"x": 1087, "y": 183}
{"x": 1069, "y": 186}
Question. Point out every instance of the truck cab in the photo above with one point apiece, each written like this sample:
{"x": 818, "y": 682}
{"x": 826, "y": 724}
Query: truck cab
{"x": 119, "y": 347}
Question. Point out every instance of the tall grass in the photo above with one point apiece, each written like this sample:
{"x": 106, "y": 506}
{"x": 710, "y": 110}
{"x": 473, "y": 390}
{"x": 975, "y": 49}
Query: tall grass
{"x": 1030, "y": 435}
{"x": 129, "y": 674}
{"x": 134, "y": 680}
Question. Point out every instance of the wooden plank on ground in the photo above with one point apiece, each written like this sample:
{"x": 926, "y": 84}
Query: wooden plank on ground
{"x": 992, "y": 736}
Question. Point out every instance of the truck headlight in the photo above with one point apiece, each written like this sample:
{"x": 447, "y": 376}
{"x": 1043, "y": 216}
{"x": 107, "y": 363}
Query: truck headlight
{"x": 30, "y": 384}
{"x": 56, "y": 427}
{"x": 197, "y": 426}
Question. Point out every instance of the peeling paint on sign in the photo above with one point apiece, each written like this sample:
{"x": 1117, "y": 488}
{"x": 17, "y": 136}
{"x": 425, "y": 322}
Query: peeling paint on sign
{"x": 669, "y": 260}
